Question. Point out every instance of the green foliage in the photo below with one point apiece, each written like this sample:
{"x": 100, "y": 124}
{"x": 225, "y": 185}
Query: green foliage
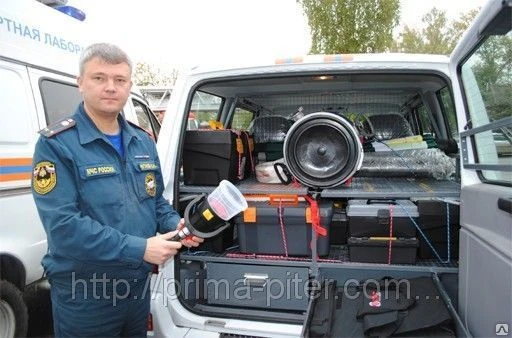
{"x": 458, "y": 27}
{"x": 439, "y": 36}
{"x": 351, "y": 26}
{"x": 494, "y": 75}
{"x": 146, "y": 75}
{"x": 241, "y": 119}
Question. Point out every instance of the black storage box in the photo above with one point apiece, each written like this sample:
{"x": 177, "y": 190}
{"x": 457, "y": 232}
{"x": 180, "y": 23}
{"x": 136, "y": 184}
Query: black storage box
{"x": 368, "y": 218}
{"x": 249, "y": 156}
{"x": 339, "y": 226}
{"x": 376, "y": 250}
{"x": 263, "y": 233}
{"x": 211, "y": 156}
{"x": 433, "y": 217}
{"x": 219, "y": 243}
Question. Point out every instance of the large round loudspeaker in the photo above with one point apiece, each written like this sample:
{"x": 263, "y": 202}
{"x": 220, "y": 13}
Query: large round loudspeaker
{"x": 322, "y": 150}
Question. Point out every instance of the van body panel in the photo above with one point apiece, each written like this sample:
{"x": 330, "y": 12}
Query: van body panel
{"x": 485, "y": 272}
{"x": 47, "y": 38}
{"x": 485, "y": 265}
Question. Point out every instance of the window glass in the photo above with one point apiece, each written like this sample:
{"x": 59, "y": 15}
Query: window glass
{"x": 15, "y": 127}
{"x": 146, "y": 118}
{"x": 425, "y": 123}
{"x": 204, "y": 108}
{"x": 241, "y": 119}
{"x": 59, "y": 99}
{"x": 448, "y": 108}
{"x": 487, "y": 79}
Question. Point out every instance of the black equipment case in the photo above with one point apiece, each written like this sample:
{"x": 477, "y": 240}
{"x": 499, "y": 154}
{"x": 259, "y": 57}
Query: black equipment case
{"x": 211, "y": 156}
{"x": 383, "y": 250}
{"x": 286, "y": 229}
{"x": 367, "y": 218}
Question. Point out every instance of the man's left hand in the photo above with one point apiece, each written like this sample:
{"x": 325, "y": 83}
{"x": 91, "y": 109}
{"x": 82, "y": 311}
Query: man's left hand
{"x": 189, "y": 241}
{"x": 193, "y": 241}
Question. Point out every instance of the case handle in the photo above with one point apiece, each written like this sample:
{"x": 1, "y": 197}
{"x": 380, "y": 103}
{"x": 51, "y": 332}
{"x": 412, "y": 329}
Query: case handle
{"x": 376, "y": 201}
{"x": 255, "y": 279}
{"x": 277, "y": 199}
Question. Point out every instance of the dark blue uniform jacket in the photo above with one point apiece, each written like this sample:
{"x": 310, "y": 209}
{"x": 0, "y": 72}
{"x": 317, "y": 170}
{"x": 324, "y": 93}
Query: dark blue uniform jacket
{"x": 100, "y": 208}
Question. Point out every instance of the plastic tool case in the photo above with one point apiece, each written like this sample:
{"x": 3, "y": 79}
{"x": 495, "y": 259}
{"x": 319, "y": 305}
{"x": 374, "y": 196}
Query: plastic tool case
{"x": 367, "y": 218}
{"x": 211, "y": 156}
{"x": 266, "y": 228}
{"x": 383, "y": 250}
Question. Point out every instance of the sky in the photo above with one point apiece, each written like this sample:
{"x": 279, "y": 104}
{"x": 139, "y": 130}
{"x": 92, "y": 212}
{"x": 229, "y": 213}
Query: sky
{"x": 178, "y": 34}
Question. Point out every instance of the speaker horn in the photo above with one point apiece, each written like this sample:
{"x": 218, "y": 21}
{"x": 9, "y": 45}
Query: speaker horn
{"x": 322, "y": 150}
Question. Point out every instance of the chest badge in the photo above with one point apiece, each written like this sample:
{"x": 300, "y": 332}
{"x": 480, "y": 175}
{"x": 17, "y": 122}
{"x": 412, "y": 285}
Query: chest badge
{"x": 150, "y": 184}
{"x": 44, "y": 177}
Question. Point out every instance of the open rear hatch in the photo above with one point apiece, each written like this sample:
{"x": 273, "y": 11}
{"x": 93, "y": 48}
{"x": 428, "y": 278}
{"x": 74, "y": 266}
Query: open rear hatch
{"x": 377, "y": 210}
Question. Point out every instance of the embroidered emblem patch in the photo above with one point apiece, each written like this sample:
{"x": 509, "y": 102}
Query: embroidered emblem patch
{"x": 147, "y": 166}
{"x": 100, "y": 170}
{"x": 150, "y": 184}
{"x": 44, "y": 177}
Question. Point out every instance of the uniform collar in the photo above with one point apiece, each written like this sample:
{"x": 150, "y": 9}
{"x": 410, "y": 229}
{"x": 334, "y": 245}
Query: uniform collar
{"x": 88, "y": 132}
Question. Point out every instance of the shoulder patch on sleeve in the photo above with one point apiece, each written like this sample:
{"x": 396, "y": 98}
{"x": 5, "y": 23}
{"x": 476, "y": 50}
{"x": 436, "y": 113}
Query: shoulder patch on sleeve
{"x": 57, "y": 127}
{"x": 44, "y": 177}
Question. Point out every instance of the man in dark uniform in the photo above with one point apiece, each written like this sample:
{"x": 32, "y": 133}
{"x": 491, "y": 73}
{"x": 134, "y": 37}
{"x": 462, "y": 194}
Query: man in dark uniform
{"x": 98, "y": 188}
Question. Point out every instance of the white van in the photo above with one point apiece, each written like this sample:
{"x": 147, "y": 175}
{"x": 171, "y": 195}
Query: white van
{"x": 39, "y": 53}
{"x": 431, "y": 179}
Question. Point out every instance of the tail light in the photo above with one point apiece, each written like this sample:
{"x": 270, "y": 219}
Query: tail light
{"x": 150, "y": 322}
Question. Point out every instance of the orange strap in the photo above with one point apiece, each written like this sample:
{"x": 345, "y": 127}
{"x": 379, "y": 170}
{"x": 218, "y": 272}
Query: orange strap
{"x": 276, "y": 199}
{"x": 315, "y": 216}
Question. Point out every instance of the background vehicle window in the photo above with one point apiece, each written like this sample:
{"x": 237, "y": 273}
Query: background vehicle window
{"x": 59, "y": 99}
{"x": 241, "y": 119}
{"x": 448, "y": 108}
{"x": 15, "y": 127}
{"x": 204, "y": 108}
{"x": 146, "y": 118}
{"x": 487, "y": 79}
{"x": 424, "y": 120}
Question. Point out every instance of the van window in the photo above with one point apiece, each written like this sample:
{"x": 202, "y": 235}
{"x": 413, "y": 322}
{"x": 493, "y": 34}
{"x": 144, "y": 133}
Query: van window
{"x": 448, "y": 108}
{"x": 425, "y": 123}
{"x": 241, "y": 119}
{"x": 146, "y": 118}
{"x": 59, "y": 99}
{"x": 15, "y": 126}
{"x": 487, "y": 79}
{"x": 204, "y": 108}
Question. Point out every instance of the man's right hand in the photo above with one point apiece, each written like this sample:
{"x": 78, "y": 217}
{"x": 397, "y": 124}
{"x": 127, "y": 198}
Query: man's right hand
{"x": 159, "y": 248}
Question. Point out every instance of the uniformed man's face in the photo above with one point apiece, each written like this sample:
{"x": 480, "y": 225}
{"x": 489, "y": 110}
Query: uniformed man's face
{"x": 105, "y": 87}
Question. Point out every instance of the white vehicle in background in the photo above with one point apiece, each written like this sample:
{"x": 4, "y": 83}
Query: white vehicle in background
{"x": 39, "y": 53}
{"x": 438, "y": 97}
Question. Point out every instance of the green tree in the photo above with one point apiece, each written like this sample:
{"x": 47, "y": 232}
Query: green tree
{"x": 351, "y": 26}
{"x": 147, "y": 75}
{"x": 438, "y": 36}
{"x": 458, "y": 27}
{"x": 494, "y": 75}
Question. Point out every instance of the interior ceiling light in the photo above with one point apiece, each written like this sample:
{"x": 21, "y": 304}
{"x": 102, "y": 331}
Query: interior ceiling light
{"x": 323, "y": 77}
